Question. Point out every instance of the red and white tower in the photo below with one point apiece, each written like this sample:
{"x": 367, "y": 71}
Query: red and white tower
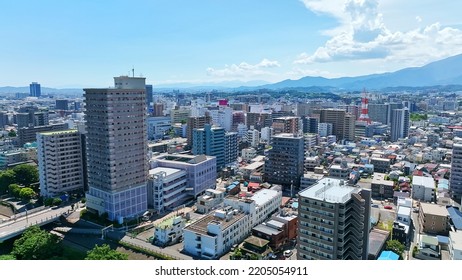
{"x": 364, "y": 111}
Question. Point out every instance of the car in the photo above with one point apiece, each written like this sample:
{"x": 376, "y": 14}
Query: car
{"x": 287, "y": 253}
{"x": 374, "y": 206}
{"x": 389, "y": 207}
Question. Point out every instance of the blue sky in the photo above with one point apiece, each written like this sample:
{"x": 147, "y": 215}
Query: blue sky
{"x": 85, "y": 43}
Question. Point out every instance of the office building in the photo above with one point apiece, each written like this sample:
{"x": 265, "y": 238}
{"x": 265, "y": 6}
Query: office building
{"x": 35, "y": 90}
{"x": 334, "y": 221}
{"x": 167, "y": 188}
{"x": 284, "y": 164}
{"x": 391, "y": 107}
{"x": 325, "y": 129}
{"x": 62, "y": 104}
{"x": 60, "y": 160}
{"x": 201, "y": 170}
{"x": 378, "y": 113}
{"x": 158, "y": 109}
{"x": 158, "y": 127}
{"x": 399, "y": 126}
{"x": 180, "y": 114}
{"x": 148, "y": 97}
{"x": 259, "y": 120}
{"x": 117, "y": 148}
{"x": 231, "y": 148}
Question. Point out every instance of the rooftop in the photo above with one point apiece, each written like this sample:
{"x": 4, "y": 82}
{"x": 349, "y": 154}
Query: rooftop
{"x": 200, "y": 226}
{"x": 267, "y": 230}
{"x": 379, "y": 179}
{"x": 264, "y": 195}
{"x": 330, "y": 190}
{"x": 58, "y": 132}
{"x": 456, "y": 239}
{"x": 434, "y": 209}
{"x": 426, "y": 182}
{"x": 167, "y": 170}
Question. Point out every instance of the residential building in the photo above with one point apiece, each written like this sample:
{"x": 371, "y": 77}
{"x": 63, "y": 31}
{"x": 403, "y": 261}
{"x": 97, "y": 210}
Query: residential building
{"x": 309, "y": 179}
{"x": 340, "y": 171}
{"x": 180, "y": 114}
{"x": 266, "y": 134}
{"x": 381, "y": 165}
{"x": 231, "y": 148}
{"x": 378, "y": 112}
{"x": 62, "y": 104}
{"x": 286, "y": 125}
{"x": 11, "y": 158}
{"x": 116, "y": 143}
{"x": 201, "y": 170}
{"x": 35, "y": 90}
{"x": 343, "y": 123}
{"x": 455, "y": 245}
{"x": 60, "y": 161}
{"x": 210, "y": 200}
{"x": 325, "y": 129}
{"x": 169, "y": 231}
{"x": 381, "y": 188}
{"x": 167, "y": 188}
{"x": 455, "y": 181}
{"x": 399, "y": 126}
{"x": 433, "y": 219}
{"x": 194, "y": 123}
{"x": 158, "y": 110}
{"x": 28, "y": 134}
{"x": 149, "y": 97}
{"x": 248, "y": 154}
{"x": 284, "y": 164}
{"x": 423, "y": 188}
{"x": 333, "y": 221}
{"x": 259, "y": 120}
{"x": 253, "y": 137}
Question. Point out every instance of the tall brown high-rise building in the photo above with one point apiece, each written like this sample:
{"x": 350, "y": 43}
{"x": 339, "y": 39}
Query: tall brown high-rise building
{"x": 286, "y": 125}
{"x": 196, "y": 122}
{"x": 343, "y": 123}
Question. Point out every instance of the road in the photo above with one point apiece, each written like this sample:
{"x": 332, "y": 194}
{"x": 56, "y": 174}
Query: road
{"x": 16, "y": 227}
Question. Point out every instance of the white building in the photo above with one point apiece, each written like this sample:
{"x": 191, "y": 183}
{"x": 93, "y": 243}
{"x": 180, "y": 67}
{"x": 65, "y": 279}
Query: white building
{"x": 455, "y": 245}
{"x": 423, "y": 188}
{"x": 158, "y": 126}
{"x": 201, "y": 170}
{"x": 167, "y": 188}
{"x": 248, "y": 154}
{"x": 60, "y": 162}
{"x": 253, "y": 137}
{"x": 213, "y": 235}
{"x": 325, "y": 129}
{"x": 169, "y": 231}
{"x": 241, "y": 130}
{"x": 211, "y": 199}
{"x": 266, "y": 134}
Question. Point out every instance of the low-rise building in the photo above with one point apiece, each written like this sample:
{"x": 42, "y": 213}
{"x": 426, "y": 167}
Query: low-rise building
{"x": 309, "y": 178}
{"x": 211, "y": 199}
{"x": 381, "y": 188}
{"x": 167, "y": 188}
{"x": 423, "y": 188}
{"x": 169, "y": 231}
{"x": 381, "y": 165}
{"x": 455, "y": 245}
{"x": 433, "y": 219}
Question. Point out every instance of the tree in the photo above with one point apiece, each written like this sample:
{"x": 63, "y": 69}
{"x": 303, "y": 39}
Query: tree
{"x": 48, "y": 201}
{"x": 26, "y": 193}
{"x": 36, "y": 244}
{"x": 26, "y": 174}
{"x": 6, "y": 178}
{"x": 12, "y": 133}
{"x": 396, "y": 246}
{"x": 57, "y": 201}
{"x": 14, "y": 190}
{"x": 104, "y": 252}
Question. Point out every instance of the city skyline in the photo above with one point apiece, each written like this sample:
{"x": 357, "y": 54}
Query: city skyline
{"x": 75, "y": 44}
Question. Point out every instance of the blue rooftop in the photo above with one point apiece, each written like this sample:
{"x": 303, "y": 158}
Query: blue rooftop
{"x": 443, "y": 239}
{"x": 388, "y": 256}
{"x": 456, "y": 217}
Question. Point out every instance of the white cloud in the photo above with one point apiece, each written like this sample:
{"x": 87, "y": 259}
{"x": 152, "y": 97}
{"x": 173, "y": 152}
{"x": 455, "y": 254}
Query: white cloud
{"x": 418, "y": 19}
{"x": 362, "y": 35}
{"x": 244, "y": 69}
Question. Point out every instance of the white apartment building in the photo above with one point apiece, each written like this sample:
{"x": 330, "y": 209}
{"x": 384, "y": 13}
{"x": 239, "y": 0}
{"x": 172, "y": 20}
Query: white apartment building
{"x": 248, "y": 154}
{"x": 60, "y": 162}
{"x": 455, "y": 245}
{"x": 253, "y": 137}
{"x": 169, "y": 231}
{"x": 423, "y": 188}
{"x": 266, "y": 134}
{"x": 213, "y": 235}
{"x": 325, "y": 129}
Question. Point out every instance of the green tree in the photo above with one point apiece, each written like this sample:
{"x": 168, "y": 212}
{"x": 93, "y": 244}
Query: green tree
{"x": 12, "y": 133}
{"x": 37, "y": 244}
{"x": 14, "y": 190}
{"x": 104, "y": 252}
{"x": 6, "y": 178}
{"x": 48, "y": 201}
{"x": 7, "y": 257}
{"x": 26, "y": 193}
{"x": 396, "y": 246}
{"x": 26, "y": 174}
{"x": 57, "y": 201}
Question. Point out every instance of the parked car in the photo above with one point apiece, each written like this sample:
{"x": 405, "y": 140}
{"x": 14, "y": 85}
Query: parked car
{"x": 388, "y": 207}
{"x": 288, "y": 253}
{"x": 374, "y": 206}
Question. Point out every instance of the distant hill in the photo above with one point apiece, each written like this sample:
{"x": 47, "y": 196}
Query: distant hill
{"x": 439, "y": 73}
{"x": 45, "y": 90}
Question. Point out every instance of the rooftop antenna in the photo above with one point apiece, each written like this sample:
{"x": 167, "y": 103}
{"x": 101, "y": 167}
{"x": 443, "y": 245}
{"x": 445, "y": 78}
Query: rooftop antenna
{"x": 133, "y": 71}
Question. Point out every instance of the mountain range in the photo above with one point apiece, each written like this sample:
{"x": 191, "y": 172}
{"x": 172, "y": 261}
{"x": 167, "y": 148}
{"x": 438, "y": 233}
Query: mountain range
{"x": 445, "y": 73}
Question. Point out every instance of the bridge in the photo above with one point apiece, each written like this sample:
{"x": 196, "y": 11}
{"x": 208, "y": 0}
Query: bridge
{"x": 18, "y": 224}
